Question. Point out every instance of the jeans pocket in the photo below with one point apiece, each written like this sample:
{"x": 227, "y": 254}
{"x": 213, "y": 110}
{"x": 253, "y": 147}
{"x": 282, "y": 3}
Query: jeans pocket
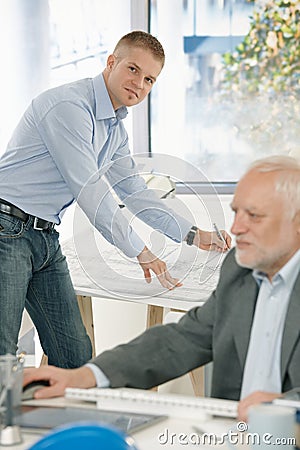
{"x": 10, "y": 226}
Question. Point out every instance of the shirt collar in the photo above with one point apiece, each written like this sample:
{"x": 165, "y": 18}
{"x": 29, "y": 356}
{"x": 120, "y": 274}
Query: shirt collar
{"x": 104, "y": 107}
{"x": 288, "y": 273}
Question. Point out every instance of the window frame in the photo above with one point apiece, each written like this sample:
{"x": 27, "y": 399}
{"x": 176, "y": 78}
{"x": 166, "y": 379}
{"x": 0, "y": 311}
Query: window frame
{"x": 141, "y": 123}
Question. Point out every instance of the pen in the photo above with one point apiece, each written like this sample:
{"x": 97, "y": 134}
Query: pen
{"x": 168, "y": 193}
{"x": 220, "y": 235}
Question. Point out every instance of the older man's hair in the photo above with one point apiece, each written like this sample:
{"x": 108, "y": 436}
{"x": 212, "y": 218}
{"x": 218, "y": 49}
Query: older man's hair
{"x": 142, "y": 40}
{"x": 287, "y": 180}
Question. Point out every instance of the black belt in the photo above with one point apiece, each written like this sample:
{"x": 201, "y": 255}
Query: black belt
{"x": 12, "y": 210}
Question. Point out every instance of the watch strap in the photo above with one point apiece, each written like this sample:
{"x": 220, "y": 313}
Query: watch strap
{"x": 191, "y": 235}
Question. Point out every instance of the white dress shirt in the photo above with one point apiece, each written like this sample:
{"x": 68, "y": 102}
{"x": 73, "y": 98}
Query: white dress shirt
{"x": 262, "y": 368}
{"x": 71, "y": 145}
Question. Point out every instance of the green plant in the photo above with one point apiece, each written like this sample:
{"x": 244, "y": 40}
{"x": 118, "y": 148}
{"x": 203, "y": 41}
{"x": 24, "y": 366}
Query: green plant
{"x": 260, "y": 88}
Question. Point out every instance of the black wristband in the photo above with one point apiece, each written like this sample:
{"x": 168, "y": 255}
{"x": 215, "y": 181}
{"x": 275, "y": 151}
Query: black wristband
{"x": 191, "y": 236}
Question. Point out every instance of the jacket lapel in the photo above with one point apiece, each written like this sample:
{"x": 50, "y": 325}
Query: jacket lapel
{"x": 292, "y": 327}
{"x": 247, "y": 294}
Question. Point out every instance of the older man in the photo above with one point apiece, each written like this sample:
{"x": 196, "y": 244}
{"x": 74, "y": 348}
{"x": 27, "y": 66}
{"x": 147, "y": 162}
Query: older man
{"x": 249, "y": 327}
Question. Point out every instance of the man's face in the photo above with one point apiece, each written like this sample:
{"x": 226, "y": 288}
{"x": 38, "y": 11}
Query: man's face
{"x": 266, "y": 236}
{"x": 130, "y": 76}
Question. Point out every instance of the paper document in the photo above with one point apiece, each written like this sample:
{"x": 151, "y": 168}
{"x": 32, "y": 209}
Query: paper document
{"x": 107, "y": 268}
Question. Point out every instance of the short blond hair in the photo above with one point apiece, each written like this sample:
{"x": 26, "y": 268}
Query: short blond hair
{"x": 142, "y": 40}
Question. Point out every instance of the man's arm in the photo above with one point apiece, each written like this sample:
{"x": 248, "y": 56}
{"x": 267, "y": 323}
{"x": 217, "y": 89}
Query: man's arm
{"x": 159, "y": 354}
{"x": 145, "y": 204}
{"x": 68, "y": 126}
{"x": 72, "y": 129}
{"x": 207, "y": 240}
{"x": 162, "y": 352}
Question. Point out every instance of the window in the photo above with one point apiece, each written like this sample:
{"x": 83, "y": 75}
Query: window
{"x": 219, "y": 113}
{"x": 199, "y": 115}
{"x": 82, "y": 33}
{"x": 48, "y": 43}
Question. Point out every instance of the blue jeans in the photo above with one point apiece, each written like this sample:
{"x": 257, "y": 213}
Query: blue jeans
{"x": 34, "y": 275}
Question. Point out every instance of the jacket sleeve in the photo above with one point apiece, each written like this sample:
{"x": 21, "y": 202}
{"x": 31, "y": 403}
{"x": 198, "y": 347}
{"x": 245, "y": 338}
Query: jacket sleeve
{"x": 162, "y": 352}
{"x": 203, "y": 334}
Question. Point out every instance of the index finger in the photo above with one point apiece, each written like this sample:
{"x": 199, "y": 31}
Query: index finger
{"x": 166, "y": 280}
{"x": 174, "y": 281}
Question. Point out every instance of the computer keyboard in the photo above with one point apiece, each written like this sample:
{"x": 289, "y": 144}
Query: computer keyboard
{"x": 151, "y": 402}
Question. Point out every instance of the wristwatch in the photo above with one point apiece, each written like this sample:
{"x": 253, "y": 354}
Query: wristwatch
{"x": 191, "y": 235}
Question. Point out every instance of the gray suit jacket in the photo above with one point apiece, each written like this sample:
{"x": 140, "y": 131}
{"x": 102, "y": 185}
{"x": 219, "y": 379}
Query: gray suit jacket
{"x": 219, "y": 331}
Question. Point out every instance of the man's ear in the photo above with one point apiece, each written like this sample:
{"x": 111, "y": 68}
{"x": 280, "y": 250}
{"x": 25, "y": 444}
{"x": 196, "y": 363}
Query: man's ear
{"x": 110, "y": 62}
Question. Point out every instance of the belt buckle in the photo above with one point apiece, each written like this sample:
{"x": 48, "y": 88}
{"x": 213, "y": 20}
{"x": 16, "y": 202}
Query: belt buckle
{"x": 35, "y": 224}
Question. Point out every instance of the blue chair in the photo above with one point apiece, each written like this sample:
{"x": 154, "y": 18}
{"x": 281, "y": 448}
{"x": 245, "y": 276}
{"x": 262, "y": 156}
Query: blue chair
{"x": 87, "y": 436}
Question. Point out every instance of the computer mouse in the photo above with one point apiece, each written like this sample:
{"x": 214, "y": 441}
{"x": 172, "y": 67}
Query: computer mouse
{"x": 30, "y": 388}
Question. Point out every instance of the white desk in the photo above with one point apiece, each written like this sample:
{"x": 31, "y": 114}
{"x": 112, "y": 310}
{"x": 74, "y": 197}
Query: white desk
{"x": 146, "y": 439}
{"x": 102, "y": 271}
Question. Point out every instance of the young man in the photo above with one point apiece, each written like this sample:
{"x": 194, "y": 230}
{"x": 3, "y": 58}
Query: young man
{"x": 67, "y": 140}
{"x": 249, "y": 327}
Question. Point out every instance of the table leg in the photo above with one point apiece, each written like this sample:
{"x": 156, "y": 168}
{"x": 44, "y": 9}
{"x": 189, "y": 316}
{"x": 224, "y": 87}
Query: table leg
{"x": 44, "y": 360}
{"x": 197, "y": 379}
{"x": 155, "y": 315}
{"x": 196, "y": 375}
{"x": 86, "y": 310}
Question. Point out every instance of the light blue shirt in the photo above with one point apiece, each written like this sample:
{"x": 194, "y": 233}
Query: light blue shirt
{"x": 71, "y": 145}
{"x": 262, "y": 368}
